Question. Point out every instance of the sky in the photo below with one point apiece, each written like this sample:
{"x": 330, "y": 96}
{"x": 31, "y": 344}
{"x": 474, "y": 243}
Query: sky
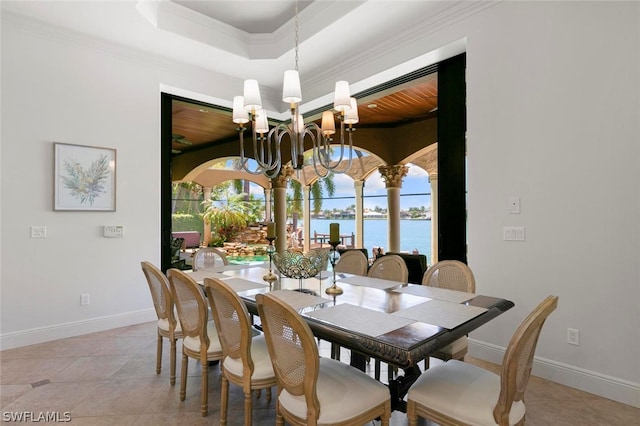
{"x": 415, "y": 182}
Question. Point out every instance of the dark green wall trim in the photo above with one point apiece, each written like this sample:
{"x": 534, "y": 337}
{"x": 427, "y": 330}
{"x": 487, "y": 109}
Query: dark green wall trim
{"x": 452, "y": 126}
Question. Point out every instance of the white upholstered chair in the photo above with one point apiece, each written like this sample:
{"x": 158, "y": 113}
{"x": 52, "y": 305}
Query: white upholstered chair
{"x": 459, "y": 393}
{"x": 353, "y": 262}
{"x": 209, "y": 257}
{"x": 168, "y": 326}
{"x": 200, "y": 335}
{"x": 314, "y": 390}
{"x": 246, "y": 361}
{"x": 452, "y": 275}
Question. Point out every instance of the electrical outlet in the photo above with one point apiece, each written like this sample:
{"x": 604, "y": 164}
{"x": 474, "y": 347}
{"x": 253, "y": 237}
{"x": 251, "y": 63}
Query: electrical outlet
{"x": 84, "y": 299}
{"x": 573, "y": 336}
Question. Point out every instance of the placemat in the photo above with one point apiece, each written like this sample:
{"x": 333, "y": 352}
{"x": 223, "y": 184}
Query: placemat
{"x": 441, "y": 313}
{"x": 238, "y": 284}
{"x": 437, "y": 293}
{"x": 370, "y": 282}
{"x": 360, "y": 320}
{"x": 298, "y": 300}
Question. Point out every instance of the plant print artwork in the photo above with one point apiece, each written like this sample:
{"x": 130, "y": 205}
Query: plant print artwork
{"x": 85, "y": 178}
{"x": 86, "y": 184}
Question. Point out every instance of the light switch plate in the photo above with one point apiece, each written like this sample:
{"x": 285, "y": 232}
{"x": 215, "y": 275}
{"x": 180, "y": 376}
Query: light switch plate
{"x": 38, "y": 232}
{"x": 513, "y": 233}
{"x": 113, "y": 231}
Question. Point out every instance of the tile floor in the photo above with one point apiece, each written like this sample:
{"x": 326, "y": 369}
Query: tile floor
{"x": 108, "y": 378}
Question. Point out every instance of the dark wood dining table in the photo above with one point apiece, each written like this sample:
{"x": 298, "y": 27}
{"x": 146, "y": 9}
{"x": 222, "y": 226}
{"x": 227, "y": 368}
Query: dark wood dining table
{"x": 398, "y": 323}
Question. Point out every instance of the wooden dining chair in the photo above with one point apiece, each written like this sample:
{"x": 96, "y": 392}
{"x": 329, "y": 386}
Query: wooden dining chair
{"x": 246, "y": 361}
{"x": 459, "y": 393}
{"x": 353, "y": 262}
{"x": 168, "y": 326}
{"x": 451, "y": 275}
{"x": 209, "y": 257}
{"x": 389, "y": 267}
{"x": 200, "y": 340}
{"x": 314, "y": 390}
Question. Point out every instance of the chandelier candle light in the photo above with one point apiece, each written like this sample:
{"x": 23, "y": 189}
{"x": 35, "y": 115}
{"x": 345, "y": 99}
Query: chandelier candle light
{"x": 267, "y": 141}
{"x": 334, "y": 240}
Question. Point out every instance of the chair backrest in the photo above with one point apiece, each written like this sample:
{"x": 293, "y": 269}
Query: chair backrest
{"x": 353, "y": 262}
{"x": 292, "y": 348}
{"x": 344, "y": 250}
{"x": 416, "y": 264}
{"x": 190, "y": 304}
{"x": 450, "y": 274}
{"x": 208, "y": 257}
{"x": 518, "y": 359}
{"x": 389, "y": 267}
{"x": 232, "y": 322}
{"x": 160, "y": 291}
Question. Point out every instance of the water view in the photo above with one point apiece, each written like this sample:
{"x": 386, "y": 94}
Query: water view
{"x": 414, "y": 234}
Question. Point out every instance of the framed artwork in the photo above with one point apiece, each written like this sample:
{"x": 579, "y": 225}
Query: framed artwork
{"x": 85, "y": 178}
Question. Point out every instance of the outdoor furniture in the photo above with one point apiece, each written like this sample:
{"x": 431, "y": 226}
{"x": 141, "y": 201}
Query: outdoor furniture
{"x": 416, "y": 265}
{"x": 458, "y": 393}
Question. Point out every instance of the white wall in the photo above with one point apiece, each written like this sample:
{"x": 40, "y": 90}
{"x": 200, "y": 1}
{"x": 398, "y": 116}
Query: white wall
{"x": 553, "y": 108}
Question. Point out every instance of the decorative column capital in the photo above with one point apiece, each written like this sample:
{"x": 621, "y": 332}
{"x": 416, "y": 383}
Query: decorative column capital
{"x": 393, "y": 175}
{"x": 433, "y": 176}
{"x": 281, "y": 180}
{"x": 358, "y": 184}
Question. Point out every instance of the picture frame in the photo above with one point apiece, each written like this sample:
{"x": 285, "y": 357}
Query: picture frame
{"x": 84, "y": 178}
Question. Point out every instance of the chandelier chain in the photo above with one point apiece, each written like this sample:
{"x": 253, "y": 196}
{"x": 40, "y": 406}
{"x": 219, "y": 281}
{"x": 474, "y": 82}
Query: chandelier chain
{"x": 296, "y": 32}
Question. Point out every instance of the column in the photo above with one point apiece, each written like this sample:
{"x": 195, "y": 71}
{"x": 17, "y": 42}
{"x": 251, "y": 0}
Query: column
{"x": 392, "y": 176}
{"x": 207, "y": 225}
{"x": 433, "y": 179}
{"x": 267, "y": 204}
{"x": 279, "y": 185}
{"x": 359, "y": 187}
{"x": 306, "y": 207}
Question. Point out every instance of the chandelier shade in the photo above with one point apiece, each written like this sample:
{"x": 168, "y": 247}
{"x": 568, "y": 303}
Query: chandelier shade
{"x": 268, "y": 142}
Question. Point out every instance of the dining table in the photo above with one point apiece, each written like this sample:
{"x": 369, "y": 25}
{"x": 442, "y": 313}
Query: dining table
{"x": 397, "y": 323}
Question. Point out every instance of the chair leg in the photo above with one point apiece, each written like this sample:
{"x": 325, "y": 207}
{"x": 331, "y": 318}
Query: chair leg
{"x": 412, "y": 416}
{"x": 248, "y": 409}
{"x": 159, "y": 354}
{"x": 279, "y": 418}
{"x": 268, "y": 394}
{"x": 172, "y": 377}
{"x": 204, "y": 386}
{"x": 183, "y": 376}
{"x": 224, "y": 400}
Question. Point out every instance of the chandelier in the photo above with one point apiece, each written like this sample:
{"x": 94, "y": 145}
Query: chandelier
{"x": 267, "y": 142}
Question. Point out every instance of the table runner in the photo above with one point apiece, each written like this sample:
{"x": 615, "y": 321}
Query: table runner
{"x": 370, "y": 282}
{"x": 437, "y": 293}
{"x": 441, "y": 313}
{"x": 298, "y": 300}
{"x": 360, "y": 320}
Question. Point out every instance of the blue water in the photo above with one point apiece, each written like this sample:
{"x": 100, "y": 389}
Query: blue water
{"x": 414, "y": 234}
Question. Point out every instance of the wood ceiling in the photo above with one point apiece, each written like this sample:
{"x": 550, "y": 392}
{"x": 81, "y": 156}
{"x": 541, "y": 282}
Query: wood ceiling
{"x": 197, "y": 126}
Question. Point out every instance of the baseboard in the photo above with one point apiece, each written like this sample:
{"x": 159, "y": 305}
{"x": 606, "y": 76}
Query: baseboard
{"x": 609, "y": 387}
{"x": 60, "y": 331}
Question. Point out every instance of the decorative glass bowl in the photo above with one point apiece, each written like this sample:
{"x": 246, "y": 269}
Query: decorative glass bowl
{"x": 293, "y": 264}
